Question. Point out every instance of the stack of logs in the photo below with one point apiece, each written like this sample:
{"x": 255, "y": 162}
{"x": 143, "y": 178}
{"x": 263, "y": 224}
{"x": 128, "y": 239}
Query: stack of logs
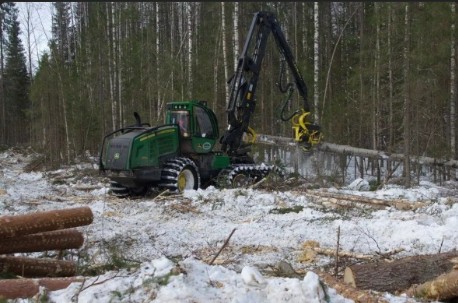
{"x": 39, "y": 232}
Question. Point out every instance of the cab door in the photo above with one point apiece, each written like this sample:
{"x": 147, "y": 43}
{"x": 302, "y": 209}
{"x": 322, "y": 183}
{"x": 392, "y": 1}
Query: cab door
{"x": 205, "y": 130}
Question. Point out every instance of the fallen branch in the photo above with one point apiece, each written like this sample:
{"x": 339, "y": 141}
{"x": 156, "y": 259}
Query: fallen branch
{"x": 346, "y": 200}
{"x": 222, "y": 247}
{"x": 332, "y": 253}
{"x": 258, "y": 183}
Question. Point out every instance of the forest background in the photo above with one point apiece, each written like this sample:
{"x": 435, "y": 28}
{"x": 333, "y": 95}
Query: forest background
{"x": 380, "y": 75}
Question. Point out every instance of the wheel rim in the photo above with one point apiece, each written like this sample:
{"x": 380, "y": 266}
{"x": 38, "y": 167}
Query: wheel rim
{"x": 186, "y": 180}
{"x": 240, "y": 180}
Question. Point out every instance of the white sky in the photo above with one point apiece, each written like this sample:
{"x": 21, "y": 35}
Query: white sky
{"x": 40, "y": 20}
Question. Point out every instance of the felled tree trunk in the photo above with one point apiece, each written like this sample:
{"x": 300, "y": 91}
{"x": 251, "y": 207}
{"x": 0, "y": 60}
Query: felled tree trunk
{"x": 399, "y": 274}
{"x": 26, "y": 288}
{"x": 34, "y": 267}
{"x": 444, "y": 287}
{"x": 52, "y": 240}
{"x": 13, "y": 226}
{"x": 349, "y": 292}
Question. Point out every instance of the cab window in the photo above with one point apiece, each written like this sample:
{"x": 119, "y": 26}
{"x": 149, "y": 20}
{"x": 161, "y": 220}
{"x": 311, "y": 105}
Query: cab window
{"x": 182, "y": 119}
{"x": 204, "y": 127}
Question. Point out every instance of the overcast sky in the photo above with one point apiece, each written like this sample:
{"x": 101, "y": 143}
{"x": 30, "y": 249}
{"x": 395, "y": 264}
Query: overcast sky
{"x": 40, "y": 27}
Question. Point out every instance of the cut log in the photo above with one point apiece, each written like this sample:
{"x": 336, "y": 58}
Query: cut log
{"x": 399, "y": 274}
{"x": 353, "y": 200}
{"x": 444, "y": 287}
{"x": 51, "y": 240}
{"x": 26, "y": 288}
{"x": 20, "y": 225}
{"x": 331, "y": 252}
{"x": 349, "y": 292}
{"x": 34, "y": 267}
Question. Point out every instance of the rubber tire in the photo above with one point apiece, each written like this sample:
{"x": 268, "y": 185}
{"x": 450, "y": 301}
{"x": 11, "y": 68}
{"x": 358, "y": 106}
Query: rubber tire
{"x": 180, "y": 174}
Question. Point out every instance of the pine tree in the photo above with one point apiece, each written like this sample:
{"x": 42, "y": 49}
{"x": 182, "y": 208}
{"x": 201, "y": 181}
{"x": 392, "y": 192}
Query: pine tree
{"x": 5, "y": 23}
{"x": 16, "y": 86}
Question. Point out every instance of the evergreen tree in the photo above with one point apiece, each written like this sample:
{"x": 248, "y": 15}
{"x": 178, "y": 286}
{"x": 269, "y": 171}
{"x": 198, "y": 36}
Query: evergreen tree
{"x": 5, "y": 18}
{"x": 16, "y": 86}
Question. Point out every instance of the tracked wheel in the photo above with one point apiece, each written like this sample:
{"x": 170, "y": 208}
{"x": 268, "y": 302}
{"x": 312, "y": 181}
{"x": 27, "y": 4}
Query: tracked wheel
{"x": 118, "y": 190}
{"x": 180, "y": 174}
{"x": 244, "y": 175}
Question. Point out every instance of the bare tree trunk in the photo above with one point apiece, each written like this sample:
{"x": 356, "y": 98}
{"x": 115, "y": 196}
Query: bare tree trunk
{"x": 452, "y": 83}
{"x": 2, "y": 88}
{"x": 28, "y": 32}
{"x": 158, "y": 101}
{"x": 406, "y": 117}
{"x": 390, "y": 82}
{"x": 182, "y": 39}
{"x": 304, "y": 29}
{"x": 114, "y": 106}
{"x": 223, "y": 29}
{"x": 361, "y": 82}
{"x": 190, "y": 50}
{"x": 316, "y": 59}
{"x": 235, "y": 17}
{"x": 375, "y": 97}
{"x": 118, "y": 66}
{"x": 215, "y": 73}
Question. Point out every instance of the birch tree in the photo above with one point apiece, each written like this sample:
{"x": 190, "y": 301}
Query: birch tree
{"x": 223, "y": 32}
{"x": 190, "y": 49}
{"x": 235, "y": 18}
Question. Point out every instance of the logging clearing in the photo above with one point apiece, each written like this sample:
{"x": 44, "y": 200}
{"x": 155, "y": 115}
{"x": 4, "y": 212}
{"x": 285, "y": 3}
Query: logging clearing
{"x": 227, "y": 244}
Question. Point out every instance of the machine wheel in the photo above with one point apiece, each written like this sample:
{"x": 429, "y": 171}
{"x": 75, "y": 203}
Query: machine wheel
{"x": 244, "y": 175}
{"x": 180, "y": 174}
{"x": 118, "y": 190}
{"x": 241, "y": 180}
{"x": 139, "y": 191}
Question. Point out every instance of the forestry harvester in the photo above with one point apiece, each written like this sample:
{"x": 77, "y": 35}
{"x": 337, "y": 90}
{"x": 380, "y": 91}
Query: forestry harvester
{"x": 181, "y": 154}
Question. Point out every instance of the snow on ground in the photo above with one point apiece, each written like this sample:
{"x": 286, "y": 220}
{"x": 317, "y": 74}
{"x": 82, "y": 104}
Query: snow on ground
{"x": 165, "y": 243}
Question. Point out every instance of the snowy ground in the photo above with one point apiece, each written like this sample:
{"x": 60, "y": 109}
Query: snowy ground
{"x": 165, "y": 243}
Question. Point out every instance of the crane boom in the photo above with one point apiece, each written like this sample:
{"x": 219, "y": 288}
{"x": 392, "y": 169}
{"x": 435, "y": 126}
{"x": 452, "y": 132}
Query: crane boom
{"x": 243, "y": 84}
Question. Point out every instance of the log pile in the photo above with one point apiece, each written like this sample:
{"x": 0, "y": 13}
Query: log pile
{"x": 39, "y": 232}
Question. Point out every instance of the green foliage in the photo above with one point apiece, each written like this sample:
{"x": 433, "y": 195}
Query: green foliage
{"x": 16, "y": 85}
{"x": 286, "y": 210}
{"x": 374, "y": 185}
{"x": 115, "y": 261}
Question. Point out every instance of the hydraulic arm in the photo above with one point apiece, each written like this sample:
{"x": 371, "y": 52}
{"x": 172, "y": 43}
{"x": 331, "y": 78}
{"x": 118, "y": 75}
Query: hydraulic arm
{"x": 243, "y": 85}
